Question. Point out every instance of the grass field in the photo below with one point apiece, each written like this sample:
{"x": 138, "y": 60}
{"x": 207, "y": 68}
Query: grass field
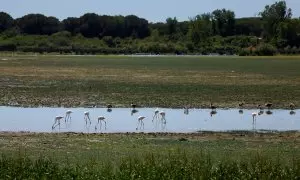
{"x": 239, "y": 155}
{"x": 149, "y": 81}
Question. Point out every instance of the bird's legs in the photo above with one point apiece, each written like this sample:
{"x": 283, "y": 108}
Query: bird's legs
{"x": 101, "y": 124}
{"x": 56, "y": 123}
{"x": 53, "y": 126}
{"x": 96, "y": 125}
{"x": 86, "y": 118}
{"x": 139, "y": 125}
{"x": 68, "y": 117}
{"x": 254, "y": 123}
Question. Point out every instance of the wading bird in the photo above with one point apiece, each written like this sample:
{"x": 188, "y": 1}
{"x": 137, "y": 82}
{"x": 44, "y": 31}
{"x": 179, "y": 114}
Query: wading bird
{"x": 212, "y": 106}
{"x": 186, "y": 110}
{"x": 261, "y": 110}
{"x": 68, "y": 115}
{"x": 268, "y": 105}
{"x": 163, "y": 116}
{"x": 109, "y": 108}
{"x": 254, "y": 115}
{"x": 155, "y": 117}
{"x": 57, "y": 121}
{"x": 292, "y": 106}
{"x": 100, "y": 120}
{"x": 140, "y": 122}
{"x": 87, "y": 117}
{"x": 133, "y": 106}
{"x": 241, "y": 106}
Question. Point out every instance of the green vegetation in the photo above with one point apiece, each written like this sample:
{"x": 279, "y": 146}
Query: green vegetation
{"x": 274, "y": 32}
{"x": 150, "y": 156}
{"x": 165, "y": 81}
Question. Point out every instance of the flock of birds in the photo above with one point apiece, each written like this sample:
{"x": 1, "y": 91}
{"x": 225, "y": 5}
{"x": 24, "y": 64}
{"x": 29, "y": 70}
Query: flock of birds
{"x": 160, "y": 115}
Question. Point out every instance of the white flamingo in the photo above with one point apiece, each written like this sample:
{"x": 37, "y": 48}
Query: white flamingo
{"x": 254, "y": 116}
{"x": 156, "y": 112}
{"x": 100, "y": 120}
{"x": 140, "y": 122}
{"x": 163, "y": 116}
{"x": 57, "y": 121}
{"x": 87, "y": 117}
{"x": 68, "y": 115}
{"x": 186, "y": 110}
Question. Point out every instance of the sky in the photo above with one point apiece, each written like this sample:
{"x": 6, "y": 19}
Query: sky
{"x": 152, "y": 10}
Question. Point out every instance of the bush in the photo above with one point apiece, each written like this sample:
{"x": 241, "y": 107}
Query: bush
{"x": 7, "y": 46}
{"x": 265, "y": 50}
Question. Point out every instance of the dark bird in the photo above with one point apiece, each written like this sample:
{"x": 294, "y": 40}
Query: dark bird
{"x": 133, "y": 106}
{"x": 241, "y": 105}
{"x": 292, "y": 106}
{"x": 212, "y": 106}
{"x": 268, "y": 105}
{"x": 109, "y": 106}
{"x": 260, "y": 107}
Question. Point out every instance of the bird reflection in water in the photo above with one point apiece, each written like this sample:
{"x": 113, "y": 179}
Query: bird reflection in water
{"x": 292, "y": 113}
{"x": 269, "y": 112}
{"x": 134, "y": 111}
{"x": 213, "y": 112}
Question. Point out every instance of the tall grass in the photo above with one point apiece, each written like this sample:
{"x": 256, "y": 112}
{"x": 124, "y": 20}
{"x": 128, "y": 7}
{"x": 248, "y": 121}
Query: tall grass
{"x": 150, "y": 166}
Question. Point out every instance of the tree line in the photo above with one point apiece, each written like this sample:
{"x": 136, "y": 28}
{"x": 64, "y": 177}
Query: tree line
{"x": 273, "y": 31}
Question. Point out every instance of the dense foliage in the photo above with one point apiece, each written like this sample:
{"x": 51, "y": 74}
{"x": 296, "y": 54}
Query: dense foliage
{"x": 175, "y": 166}
{"x": 274, "y": 31}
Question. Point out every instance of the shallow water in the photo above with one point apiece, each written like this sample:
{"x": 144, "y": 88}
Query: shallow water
{"x": 122, "y": 120}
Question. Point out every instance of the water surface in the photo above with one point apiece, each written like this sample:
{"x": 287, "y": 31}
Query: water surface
{"x": 122, "y": 120}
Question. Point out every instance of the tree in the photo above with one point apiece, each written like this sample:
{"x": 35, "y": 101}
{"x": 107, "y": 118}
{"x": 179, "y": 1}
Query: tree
{"x": 72, "y": 24}
{"x": 223, "y": 22}
{"x": 136, "y": 27}
{"x": 38, "y": 24}
{"x": 249, "y": 26}
{"x": 90, "y": 25}
{"x": 6, "y": 21}
{"x": 200, "y": 28}
{"x": 172, "y": 25}
{"x": 273, "y": 15}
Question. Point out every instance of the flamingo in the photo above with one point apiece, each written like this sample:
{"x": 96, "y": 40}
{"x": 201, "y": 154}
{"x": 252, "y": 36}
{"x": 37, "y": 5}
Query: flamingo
{"x": 163, "y": 115}
{"x": 254, "y": 115}
{"x": 155, "y": 114}
{"x": 186, "y": 110}
{"x": 57, "y": 121}
{"x": 140, "y": 122}
{"x": 100, "y": 120}
{"x": 87, "y": 117}
{"x": 68, "y": 115}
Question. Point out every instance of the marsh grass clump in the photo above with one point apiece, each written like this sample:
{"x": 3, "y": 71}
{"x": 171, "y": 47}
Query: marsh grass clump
{"x": 149, "y": 166}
